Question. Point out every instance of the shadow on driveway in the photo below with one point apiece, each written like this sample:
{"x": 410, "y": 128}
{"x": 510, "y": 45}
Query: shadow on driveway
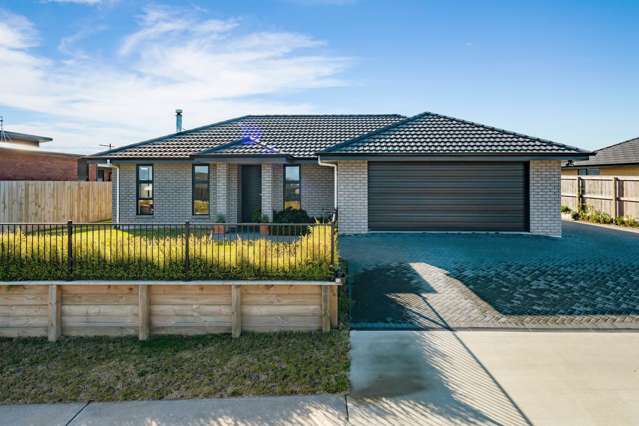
{"x": 587, "y": 279}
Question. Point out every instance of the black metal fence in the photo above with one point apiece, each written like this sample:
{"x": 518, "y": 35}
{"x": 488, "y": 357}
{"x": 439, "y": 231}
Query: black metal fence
{"x": 167, "y": 251}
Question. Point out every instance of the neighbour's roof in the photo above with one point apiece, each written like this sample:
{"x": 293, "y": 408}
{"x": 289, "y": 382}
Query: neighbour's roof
{"x": 626, "y": 152}
{"x": 7, "y": 136}
{"x": 35, "y": 151}
{"x": 435, "y": 134}
{"x": 299, "y": 136}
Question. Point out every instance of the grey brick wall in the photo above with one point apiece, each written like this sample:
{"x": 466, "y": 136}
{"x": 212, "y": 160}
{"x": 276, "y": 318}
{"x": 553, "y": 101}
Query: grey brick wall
{"x": 172, "y": 188}
{"x": 352, "y": 192}
{"x": 172, "y": 194}
{"x": 228, "y": 179}
{"x": 317, "y": 189}
{"x": 222, "y": 189}
{"x": 277, "y": 187}
{"x": 267, "y": 190}
{"x": 545, "y": 197}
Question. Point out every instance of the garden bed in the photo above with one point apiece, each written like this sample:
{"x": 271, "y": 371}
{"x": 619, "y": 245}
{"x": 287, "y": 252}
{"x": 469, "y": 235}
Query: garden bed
{"x": 167, "y": 252}
{"x": 168, "y": 367}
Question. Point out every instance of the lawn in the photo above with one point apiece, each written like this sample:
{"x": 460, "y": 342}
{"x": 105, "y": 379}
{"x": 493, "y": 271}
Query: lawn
{"x": 114, "y": 369}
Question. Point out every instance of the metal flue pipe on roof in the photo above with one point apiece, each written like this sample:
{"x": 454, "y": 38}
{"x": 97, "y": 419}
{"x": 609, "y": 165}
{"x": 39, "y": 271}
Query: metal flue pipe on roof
{"x": 178, "y": 120}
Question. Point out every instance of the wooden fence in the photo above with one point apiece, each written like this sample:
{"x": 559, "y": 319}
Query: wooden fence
{"x": 54, "y": 309}
{"x": 615, "y": 195}
{"x": 54, "y": 201}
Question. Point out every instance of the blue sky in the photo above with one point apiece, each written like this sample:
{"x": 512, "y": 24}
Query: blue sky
{"x": 91, "y": 72}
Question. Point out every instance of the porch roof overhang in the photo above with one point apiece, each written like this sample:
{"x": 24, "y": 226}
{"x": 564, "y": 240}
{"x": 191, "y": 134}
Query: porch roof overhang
{"x": 211, "y": 158}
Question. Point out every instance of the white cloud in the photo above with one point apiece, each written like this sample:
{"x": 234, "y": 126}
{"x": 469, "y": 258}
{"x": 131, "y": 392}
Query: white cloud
{"x": 16, "y": 32}
{"x": 173, "y": 60}
{"x": 160, "y": 22}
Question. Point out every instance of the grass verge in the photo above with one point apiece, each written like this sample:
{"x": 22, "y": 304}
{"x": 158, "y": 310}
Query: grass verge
{"x": 171, "y": 367}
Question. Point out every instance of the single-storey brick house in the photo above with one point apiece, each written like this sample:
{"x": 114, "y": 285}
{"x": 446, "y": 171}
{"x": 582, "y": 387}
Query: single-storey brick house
{"x": 383, "y": 173}
{"x": 620, "y": 159}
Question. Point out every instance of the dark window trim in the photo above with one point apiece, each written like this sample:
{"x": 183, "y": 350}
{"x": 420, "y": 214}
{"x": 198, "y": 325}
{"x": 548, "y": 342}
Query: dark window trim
{"x": 284, "y": 183}
{"x": 208, "y": 189}
{"x": 137, "y": 189}
{"x": 588, "y": 171}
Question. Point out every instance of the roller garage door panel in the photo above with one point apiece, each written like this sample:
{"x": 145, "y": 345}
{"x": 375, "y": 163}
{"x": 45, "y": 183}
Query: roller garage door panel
{"x": 447, "y": 196}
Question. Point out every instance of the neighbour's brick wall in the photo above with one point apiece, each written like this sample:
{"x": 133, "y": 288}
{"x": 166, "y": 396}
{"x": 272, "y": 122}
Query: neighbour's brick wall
{"x": 172, "y": 187}
{"x": 317, "y": 189}
{"x": 545, "y": 197}
{"x": 18, "y": 164}
{"x": 352, "y": 201}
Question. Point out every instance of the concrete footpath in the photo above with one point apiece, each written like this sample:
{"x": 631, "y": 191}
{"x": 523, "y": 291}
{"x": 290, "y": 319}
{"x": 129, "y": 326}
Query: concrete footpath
{"x": 419, "y": 377}
{"x": 293, "y": 410}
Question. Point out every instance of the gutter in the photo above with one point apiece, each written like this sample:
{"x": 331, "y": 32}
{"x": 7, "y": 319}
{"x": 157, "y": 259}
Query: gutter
{"x": 334, "y": 166}
{"x": 117, "y": 187}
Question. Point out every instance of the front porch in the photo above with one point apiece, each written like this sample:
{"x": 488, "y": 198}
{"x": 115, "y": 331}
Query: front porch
{"x": 307, "y": 186}
{"x": 233, "y": 190}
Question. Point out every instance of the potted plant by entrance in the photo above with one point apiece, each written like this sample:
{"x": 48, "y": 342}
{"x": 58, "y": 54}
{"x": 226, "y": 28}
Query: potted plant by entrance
{"x": 264, "y": 228}
{"x": 262, "y": 219}
{"x": 218, "y": 227}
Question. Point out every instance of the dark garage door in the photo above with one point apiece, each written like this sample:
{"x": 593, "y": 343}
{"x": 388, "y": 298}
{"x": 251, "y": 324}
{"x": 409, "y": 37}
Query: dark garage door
{"x": 447, "y": 196}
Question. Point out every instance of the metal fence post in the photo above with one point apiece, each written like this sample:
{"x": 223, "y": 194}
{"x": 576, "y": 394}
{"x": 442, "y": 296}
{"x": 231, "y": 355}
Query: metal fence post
{"x": 332, "y": 243}
{"x": 70, "y": 250}
{"x": 187, "y": 232}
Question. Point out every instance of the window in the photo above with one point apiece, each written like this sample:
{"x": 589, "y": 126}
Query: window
{"x": 145, "y": 190}
{"x": 200, "y": 189}
{"x": 100, "y": 175}
{"x": 292, "y": 187}
{"x": 588, "y": 172}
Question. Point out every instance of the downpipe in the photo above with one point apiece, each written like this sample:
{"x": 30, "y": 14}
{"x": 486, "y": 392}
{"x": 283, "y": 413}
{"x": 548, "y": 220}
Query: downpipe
{"x": 117, "y": 188}
{"x": 334, "y": 166}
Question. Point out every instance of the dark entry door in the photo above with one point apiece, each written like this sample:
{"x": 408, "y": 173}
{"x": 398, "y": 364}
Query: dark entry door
{"x": 446, "y": 196}
{"x": 251, "y": 191}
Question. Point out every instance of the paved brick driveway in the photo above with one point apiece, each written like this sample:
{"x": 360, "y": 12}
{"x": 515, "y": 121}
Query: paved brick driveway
{"x": 589, "y": 279}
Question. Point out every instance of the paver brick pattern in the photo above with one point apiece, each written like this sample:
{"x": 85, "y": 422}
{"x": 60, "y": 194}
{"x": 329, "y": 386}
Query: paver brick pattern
{"x": 589, "y": 279}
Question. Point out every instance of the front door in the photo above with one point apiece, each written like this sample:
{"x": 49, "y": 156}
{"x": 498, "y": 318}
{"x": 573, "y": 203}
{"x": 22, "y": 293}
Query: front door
{"x": 251, "y": 191}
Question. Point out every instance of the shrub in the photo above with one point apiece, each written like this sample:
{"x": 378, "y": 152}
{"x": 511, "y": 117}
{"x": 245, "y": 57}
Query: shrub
{"x": 627, "y": 221}
{"x": 591, "y": 215}
{"x": 258, "y": 217}
{"x": 565, "y": 209}
{"x": 291, "y": 215}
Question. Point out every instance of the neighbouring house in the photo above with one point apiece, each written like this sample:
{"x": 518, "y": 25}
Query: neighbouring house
{"x": 21, "y": 158}
{"x": 91, "y": 171}
{"x": 621, "y": 159}
{"x": 429, "y": 172}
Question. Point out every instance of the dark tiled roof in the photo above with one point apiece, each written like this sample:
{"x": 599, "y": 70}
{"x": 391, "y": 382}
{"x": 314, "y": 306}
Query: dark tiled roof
{"x": 621, "y": 153}
{"x": 299, "y": 136}
{"x": 434, "y": 134}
